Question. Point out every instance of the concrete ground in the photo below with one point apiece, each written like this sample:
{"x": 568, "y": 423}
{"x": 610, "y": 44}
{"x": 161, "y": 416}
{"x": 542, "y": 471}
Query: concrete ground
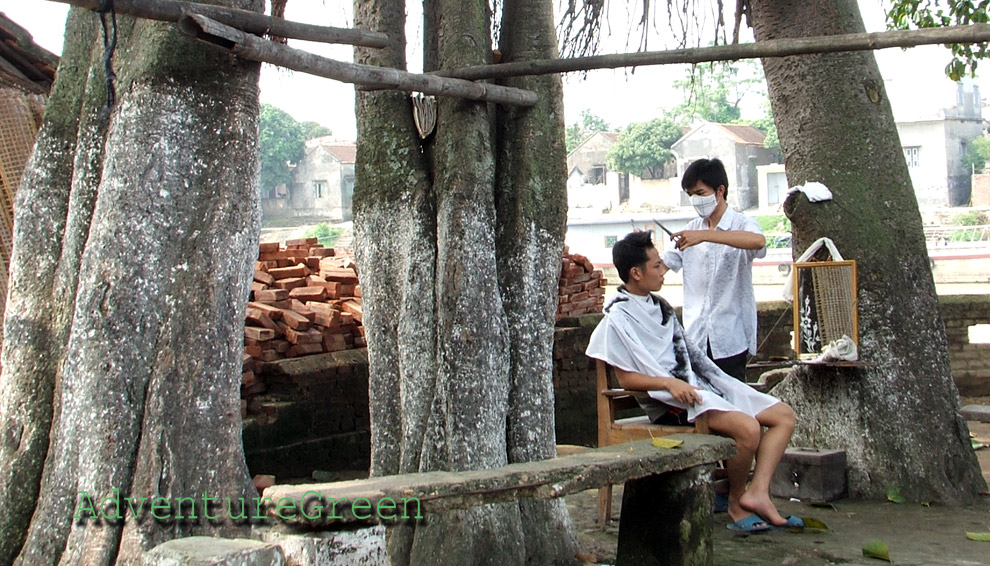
{"x": 914, "y": 534}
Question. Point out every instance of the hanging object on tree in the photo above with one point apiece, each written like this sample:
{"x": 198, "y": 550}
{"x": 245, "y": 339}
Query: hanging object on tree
{"x": 424, "y": 113}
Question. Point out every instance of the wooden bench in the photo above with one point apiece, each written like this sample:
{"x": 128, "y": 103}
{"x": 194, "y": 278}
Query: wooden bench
{"x": 612, "y": 401}
{"x": 666, "y": 507}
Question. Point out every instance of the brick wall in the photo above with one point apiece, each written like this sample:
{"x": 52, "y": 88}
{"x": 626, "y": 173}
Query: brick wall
{"x": 314, "y": 416}
{"x": 970, "y": 362}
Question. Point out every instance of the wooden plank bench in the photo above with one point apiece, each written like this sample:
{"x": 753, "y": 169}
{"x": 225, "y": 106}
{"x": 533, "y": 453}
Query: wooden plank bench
{"x": 666, "y": 507}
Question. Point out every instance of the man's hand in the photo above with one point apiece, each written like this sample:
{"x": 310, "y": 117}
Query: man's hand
{"x": 682, "y": 391}
{"x": 687, "y": 238}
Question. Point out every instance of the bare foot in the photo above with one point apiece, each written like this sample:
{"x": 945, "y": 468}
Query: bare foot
{"x": 764, "y": 507}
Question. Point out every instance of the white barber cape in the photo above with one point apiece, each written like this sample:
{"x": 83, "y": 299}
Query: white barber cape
{"x": 642, "y": 335}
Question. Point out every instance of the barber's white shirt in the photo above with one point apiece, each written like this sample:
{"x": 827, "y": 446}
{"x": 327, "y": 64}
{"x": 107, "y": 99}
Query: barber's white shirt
{"x": 719, "y": 302}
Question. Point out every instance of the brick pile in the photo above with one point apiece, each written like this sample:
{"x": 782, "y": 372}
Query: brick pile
{"x": 581, "y": 289}
{"x": 305, "y": 299}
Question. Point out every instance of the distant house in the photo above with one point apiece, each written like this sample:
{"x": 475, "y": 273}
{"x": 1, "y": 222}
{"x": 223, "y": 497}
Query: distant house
{"x": 322, "y": 183}
{"x": 739, "y": 147}
{"x": 934, "y": 147}
{"x": 589, "y": 181}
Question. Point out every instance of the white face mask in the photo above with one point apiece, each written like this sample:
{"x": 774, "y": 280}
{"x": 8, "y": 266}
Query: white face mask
{"x": 704, "y": 206}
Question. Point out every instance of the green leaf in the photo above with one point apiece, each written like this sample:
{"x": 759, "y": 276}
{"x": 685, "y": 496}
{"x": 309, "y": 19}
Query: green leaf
{"x": 667, "y": 443}
{"x": 982, "y": 537}
{"x": 894, "y": 494}
{"x": 876, "y": 549}
{"x": 813, "y": 524}
{"x": 977, "y": 444}
{"x": 824, "y": 504}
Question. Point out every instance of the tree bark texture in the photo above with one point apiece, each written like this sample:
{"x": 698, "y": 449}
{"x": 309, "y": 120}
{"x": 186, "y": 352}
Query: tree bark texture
{"x": 134, "y": 241}
{"x": 897, "y": 421}
{"x": 442, "y": 227}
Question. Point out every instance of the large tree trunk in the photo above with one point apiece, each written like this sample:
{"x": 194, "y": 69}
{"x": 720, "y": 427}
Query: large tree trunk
{"x": 134, "y": 239}
{"x": 452, "y": 369}
{"x": 897, "y": 421}
{"x": 532, "y": 217}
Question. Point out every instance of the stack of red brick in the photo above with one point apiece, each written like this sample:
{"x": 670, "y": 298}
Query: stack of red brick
{"x": 581, "y": 289}
{"x": 304, "y": 300}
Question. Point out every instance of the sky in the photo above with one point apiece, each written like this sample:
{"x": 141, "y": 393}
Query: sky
{"x": 915, "y": 79}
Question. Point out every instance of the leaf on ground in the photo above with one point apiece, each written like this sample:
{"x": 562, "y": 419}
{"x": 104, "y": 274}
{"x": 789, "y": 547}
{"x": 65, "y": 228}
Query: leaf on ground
{"x": 876, "y": 549}
{"x": 977, "y": 444}
{"x": 823, "y": 504}
{"x": 813, "y": 524}
{"x": 894, "y": 494}
{"x": 666, "y": 443}
{"x": 982, "y": 537}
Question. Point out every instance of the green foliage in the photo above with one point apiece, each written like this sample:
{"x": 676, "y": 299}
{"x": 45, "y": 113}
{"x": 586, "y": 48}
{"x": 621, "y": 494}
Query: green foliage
{"x": 577, "y": 133}
{"x": 644, "y": 147}
{"x": 905, "y": 14}
{"x": 969, "y": 218}
{"x": 977, "y": 155}
{"x": 714, "y": 91}
{"x": 281, "y": 141}
{"x": 777, "y": 229}
{"x": 774, "y": 223}
{"x": 314, "y": 130}
{"x": 326, "y": 233}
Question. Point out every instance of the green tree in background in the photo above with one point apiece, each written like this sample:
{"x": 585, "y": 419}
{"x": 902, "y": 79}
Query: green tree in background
{"x": 281, "y": 140}
{"x": 713, "y": 92}
{"x": 644, "y": 147}
{"x": 315, "y": 130}
{"x": 978, "y": 154}
{"x": 577, "y": 133}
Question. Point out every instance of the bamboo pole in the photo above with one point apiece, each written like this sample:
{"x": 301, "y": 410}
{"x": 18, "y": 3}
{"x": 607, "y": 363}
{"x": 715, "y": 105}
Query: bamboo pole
{"x": 973, "y": 33}
{"x": 254, "y": 48}
{"x": 252, "y": 22}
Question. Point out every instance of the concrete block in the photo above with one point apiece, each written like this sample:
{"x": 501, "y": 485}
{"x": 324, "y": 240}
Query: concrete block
{"x": 810, "y": 475}
{"x": 976, "y": 413}
{"x": 360, "y": 547}
{"x": 208, "y": 551}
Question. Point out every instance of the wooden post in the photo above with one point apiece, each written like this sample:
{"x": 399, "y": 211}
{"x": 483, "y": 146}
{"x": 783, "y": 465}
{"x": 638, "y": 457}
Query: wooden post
{"x": 252, "y": 22}
{"x": 256, "y": 49}
{"x": 973, "y": 33}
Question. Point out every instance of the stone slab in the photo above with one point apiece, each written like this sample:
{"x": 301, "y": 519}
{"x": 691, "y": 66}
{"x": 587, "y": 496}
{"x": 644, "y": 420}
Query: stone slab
{"x": 979, "y": 413}
{"x": 209, "y": 551}
{"x": 443, "y": 491}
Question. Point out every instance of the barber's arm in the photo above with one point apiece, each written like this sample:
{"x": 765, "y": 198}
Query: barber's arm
{"x": 639, "y": 382}
{"x": 741, "y": 239}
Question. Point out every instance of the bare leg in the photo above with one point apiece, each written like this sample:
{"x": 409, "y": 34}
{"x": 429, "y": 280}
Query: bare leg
{"x": 745, "y": 430}
{"x": 780, "y": 422}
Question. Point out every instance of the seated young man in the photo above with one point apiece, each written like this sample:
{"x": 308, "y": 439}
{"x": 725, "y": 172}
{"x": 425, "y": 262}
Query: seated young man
{"x": 641, "y": 338}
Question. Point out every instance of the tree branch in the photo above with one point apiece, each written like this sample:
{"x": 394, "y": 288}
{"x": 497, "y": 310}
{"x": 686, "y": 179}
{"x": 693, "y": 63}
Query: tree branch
{"x": 973, "y": 33}
{"x": 254, "y": 48}
{"x": 252, "y": 22}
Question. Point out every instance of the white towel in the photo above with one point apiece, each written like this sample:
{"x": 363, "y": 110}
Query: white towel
{"x": 814, "y": 191}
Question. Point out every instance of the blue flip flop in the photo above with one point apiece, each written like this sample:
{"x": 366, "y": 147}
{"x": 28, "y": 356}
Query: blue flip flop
{"x": 749, "y": 524}
{"x": 721, "y": 503}
{"x": 793, "y": 522}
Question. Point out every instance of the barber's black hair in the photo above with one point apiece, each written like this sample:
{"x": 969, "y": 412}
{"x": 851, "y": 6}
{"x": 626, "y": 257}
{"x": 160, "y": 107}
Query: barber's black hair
{"x": 630, "y": 252}
{"x": 709, "y": 171}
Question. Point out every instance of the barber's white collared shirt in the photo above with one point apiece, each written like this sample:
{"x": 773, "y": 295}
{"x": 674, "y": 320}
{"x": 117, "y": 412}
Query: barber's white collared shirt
{"x": 719, "y": 302}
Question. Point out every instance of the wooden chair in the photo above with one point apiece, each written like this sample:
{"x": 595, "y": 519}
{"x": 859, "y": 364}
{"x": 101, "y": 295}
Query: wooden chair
{"x": 611, "y": 430}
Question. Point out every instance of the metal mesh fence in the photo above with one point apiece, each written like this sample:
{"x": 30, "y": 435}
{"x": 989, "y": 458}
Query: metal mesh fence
{"x": 20, "y": 119}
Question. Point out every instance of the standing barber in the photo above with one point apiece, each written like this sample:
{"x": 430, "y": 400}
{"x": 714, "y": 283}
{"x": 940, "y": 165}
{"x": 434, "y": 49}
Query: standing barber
{"x": 716, "y": 251}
